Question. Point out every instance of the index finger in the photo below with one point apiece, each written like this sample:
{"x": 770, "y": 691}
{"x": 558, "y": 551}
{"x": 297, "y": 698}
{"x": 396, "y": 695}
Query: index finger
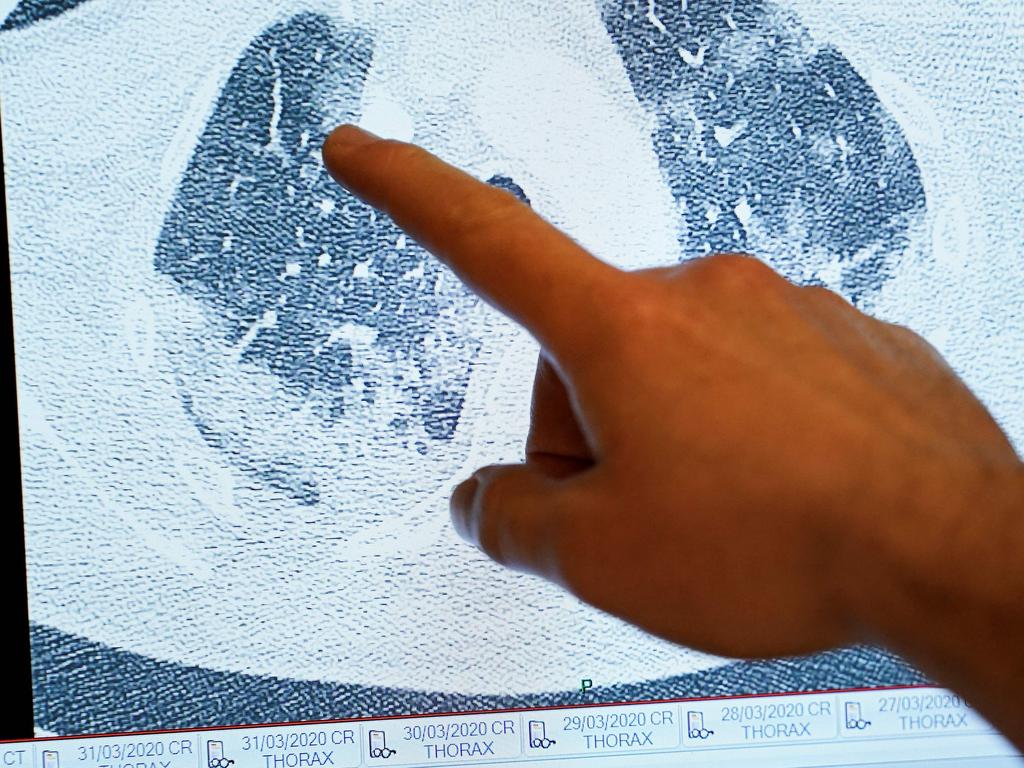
{"x": 498, "y": 246}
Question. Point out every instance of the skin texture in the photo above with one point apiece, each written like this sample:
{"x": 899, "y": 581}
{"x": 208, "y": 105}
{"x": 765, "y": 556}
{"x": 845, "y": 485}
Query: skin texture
{"x": 726, "y": 459}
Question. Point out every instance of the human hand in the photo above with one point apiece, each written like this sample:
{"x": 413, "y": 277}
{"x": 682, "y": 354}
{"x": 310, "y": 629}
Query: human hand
{"x": 715, "y": 453}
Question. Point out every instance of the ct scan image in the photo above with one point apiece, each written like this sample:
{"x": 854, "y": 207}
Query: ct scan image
{"x": 245, "y": 396}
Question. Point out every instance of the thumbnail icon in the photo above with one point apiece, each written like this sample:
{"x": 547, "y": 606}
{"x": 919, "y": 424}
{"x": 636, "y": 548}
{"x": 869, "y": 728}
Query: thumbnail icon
{"x": 379, "y": 747}
{"x": 538, "y": 735}
{"x": 854, "y": 719}
{"x": 51, "y": 758}
{"x": 695, "y": 725}
{"x": 215, "y": 755}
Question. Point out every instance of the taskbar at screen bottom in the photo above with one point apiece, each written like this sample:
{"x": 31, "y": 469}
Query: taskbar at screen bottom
{"x": 885, "y": 726}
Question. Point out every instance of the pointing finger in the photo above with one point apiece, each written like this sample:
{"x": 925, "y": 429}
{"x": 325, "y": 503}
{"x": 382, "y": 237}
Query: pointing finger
{"x": 498, "y": 246}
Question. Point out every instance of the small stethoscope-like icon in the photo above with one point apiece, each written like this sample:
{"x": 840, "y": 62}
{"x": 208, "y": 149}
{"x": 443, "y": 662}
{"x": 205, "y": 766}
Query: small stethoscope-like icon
{"x": 379, "y": 747}
{"x": 538, "y": 735}
{"x": 215, "y": 755}
{"x": 695, "y": 726}
{"x": 854, "y": 719}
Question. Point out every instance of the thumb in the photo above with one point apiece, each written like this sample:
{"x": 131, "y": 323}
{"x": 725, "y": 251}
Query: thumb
{"x": 517, "y": 514}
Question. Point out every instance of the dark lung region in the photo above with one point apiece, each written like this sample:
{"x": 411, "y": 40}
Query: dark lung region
{"x": 299, "y": 274}
{"x": 30, "y": 11}
{"x": 770, "y": 142}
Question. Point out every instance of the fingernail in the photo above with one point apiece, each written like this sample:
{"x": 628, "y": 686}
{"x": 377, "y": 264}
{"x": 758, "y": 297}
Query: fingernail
{"x": 461, "y": 507}
{"x": 348, "y": 136}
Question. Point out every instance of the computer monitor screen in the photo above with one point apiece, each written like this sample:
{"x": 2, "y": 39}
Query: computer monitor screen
{"x": 244, "y": 396}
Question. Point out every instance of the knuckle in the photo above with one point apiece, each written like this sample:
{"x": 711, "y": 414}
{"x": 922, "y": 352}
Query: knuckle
{"x": 910, "y": 339}
{"x": 492, "y": 489}
{"x": 823, "y": 295}
{"x": 637, "y": 309}
{"x": 492, "y": 501}
{"x": 905, "y": 331}
{"x": 732, "y": 270}
{"x": 912, "y": 347}
{"x": 898, "y": 329}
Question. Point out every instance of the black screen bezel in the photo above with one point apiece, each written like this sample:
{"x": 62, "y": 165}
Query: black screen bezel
{"x": 17, "y": 720}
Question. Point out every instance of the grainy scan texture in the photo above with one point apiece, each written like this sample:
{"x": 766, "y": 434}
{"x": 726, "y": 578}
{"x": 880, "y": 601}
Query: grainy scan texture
{"x": 245, "y": 396}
